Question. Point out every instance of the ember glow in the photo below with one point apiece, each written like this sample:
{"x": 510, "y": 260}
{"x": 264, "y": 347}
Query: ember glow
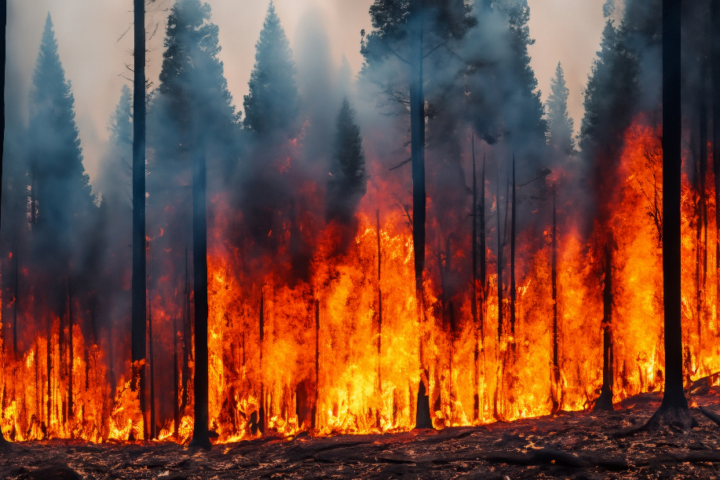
{"x": 360, "y": 377}
{"x": 542, "y": 265}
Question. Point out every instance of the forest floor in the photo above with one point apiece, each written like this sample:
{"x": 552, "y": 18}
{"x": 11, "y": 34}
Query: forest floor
{"x": 567, "y": 445}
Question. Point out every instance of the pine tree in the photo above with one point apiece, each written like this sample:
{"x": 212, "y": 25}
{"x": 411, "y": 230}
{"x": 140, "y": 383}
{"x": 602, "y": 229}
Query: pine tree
{"x": 560, "y": 123}
{"x": 349, "y": 181}
{"x": 408, "y": 33}
{"x": 63, "y": 195}
{"x": 530, "y": 124}
{"x": 194, "y": 123}
{"x": 272, "y": 104}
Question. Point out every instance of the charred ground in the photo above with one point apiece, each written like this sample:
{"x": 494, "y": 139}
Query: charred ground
{"x": 578, "y": 445}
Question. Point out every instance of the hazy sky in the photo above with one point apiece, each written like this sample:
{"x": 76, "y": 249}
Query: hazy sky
{"x": 95, "y": 45}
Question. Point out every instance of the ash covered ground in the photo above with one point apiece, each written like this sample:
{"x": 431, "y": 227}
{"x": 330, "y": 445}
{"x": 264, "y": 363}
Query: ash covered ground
{"x": 576, "y": 446}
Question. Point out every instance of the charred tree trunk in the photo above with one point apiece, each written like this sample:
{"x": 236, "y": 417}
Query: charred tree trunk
{"x": 417, "y": 122}
{"x": 48, "y": 360}
{"x": 317, "y": 366}
{"x": 71, "y": 350}
{"x": 16, "y": 300}
{"x": 500, "y": 248}
{"x": 138, "y": 233}
{"x": 605, "y": 401}
{"x": 261, "y": 420}
{"x": 557, "y": 396}
{"x": 473, "y": 296}
{"x": 187, "y": 341}
{"x": 715, "y": 63}
{"x": 200, "y": 432}
{"x": 702, "y": 220}
{"x": 674, "y": 407}
{"x": 152, "y": 374}
{"x": 380, "y": 319}
{"x": 513, "y": 234}
{"x": 176, "y": 382}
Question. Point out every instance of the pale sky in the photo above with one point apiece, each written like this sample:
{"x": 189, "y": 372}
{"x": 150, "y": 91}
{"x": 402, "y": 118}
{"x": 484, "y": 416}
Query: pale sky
{"x": 94, "y": 51}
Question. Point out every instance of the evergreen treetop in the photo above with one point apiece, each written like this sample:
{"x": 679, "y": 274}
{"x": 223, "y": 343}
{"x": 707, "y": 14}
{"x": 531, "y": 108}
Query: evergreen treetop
{"x": 348, "y": 182}
{"x": 272, "y": 103}
{"x": 560, "y": 123}
{"x": 61, "y": 186}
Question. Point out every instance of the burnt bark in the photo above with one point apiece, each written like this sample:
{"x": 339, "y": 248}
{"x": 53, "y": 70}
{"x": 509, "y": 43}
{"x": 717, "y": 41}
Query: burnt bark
{"x": 71, "y": 350}
{"x": 674, "y": 408}
{"x": 187, "y": 340}
{"x": 605, "y": 401}
{"x": 16, "y": 298}
{"x": 176, "y": 382}
{"x": 317, "y": 365}
{"x": 201, "y": 437}
{"x": 380, "y": 308}
{"x": 715, "y": 78}
{"x": 153, "y": 432}
{"x": 473, "y": 296}
{"x": 417, "y": 127}
{"x": 557, "y": 394}
{"x": 138, "y": 234}
{"x": 513, "y": 234}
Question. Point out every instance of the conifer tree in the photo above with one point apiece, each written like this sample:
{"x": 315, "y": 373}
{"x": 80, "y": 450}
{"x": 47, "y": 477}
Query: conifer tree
{"x": 348, "y": 182}
{"x": 560, "y": 123}
{"x": 405, "y": 36}
{"x": 64, "y": 200}
{"x": 196, "y": 124}
{"x": 272, "y": 104}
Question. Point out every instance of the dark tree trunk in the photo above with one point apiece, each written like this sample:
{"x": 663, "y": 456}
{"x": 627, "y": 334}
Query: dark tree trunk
{"x": 200, "y": 432}
{"x": 417, "y": 127}
{"x": 605, "y": 401}
{"x": 261, "y": 420}
{"x": 513, "y": 234}
{"x": 380, "y": 319}
{"x": 715, "y": 67}
{"x": 152, "y": 374}
{"x": 557, "y": 394}
{"x": 176, "y": 382}
{"x": 317, "y": 366}
{"x": 674, "y": 407}
{"x": 473, "y": 294}
{"x": 500, "y": 248}
{"x": 71, "y": 350}
{"x": 138, "y": 233}
{"x": 48, "y": 359}
{"x": 16, "y": 301}
{"x": 187, "y": 341}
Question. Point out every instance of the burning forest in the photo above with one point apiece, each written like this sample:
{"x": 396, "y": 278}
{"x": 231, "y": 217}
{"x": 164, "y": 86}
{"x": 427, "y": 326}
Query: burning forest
{"x": 426, "y": 244}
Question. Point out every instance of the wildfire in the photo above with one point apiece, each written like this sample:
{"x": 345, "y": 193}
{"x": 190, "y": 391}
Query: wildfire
{"x": 340, "y": 351}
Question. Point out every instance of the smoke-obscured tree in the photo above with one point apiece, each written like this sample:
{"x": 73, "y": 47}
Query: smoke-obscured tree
{"x": 139, "y": 262}
{"x": 561, "y": 126}
{"x": 271, "y": 106}
{"x": 3, "y": 22}
{"x": 193, "y": 124}
{"x": 63, "y": 195}
{"x": 348, "y": 182}
{"x": 406, "y": 36}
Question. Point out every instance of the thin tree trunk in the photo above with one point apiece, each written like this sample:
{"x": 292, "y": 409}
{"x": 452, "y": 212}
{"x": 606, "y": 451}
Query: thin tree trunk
{"x": 187, "y": 341}
{"x": 138, "y": 233}
{"x": 317, "y": 366}
{"x": 71, "y": 349}
{"x": 715, "y": 67}
{"x": 483, "y": 282}
{"x": 556, "y": 364}
{"x": 17, "y": 302}
{"x": 673, "y": 399}
{"x": 48, "y": 360}
{"x": 152, "y": 374}
{"x": 513, "y": 234}
{"x": 380, "y": 319}
{"x": 176, "y": 382}
{"x": 703, "y": 216}
{"x": 417, "y": 122}
{"x": 200, "y": 432}
{"x": 261, "y": 420}
{"x": 500, "y": 248}
{"x": 605, "y": 401}
{"x": 473, "y": 295}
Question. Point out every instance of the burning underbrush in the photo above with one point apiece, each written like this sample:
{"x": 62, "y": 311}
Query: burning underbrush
{"x": 342, "y": 347}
